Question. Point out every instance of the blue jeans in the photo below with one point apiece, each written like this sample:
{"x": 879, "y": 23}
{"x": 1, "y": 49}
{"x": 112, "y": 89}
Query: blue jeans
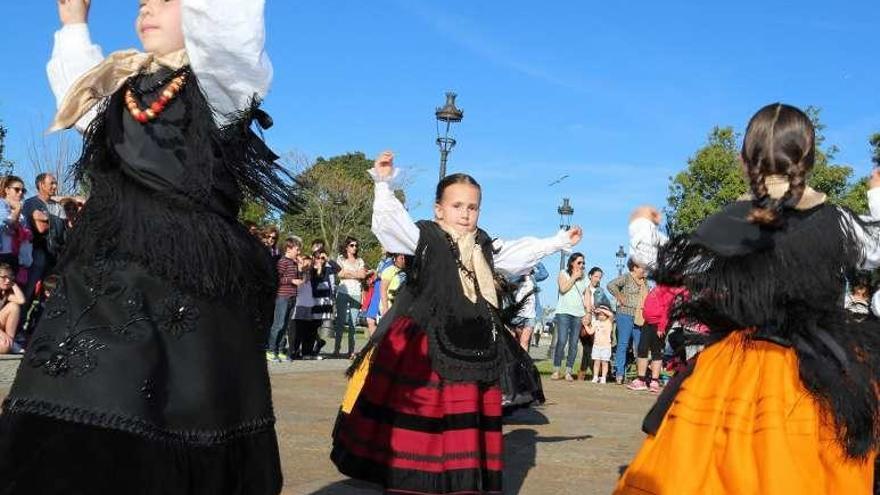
{"x": 568, "y": 328}
{"x": 279, "y": 324}
{"x": 347, "y": 310}
{"x": 626, "y": 330}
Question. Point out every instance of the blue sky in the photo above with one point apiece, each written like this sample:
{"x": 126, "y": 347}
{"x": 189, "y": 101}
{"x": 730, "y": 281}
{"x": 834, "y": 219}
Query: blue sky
{"x": 617, "y": 95}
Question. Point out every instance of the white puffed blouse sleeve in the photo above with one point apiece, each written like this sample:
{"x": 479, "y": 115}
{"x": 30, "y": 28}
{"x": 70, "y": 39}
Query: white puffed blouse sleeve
{"x": 225, "y": 41}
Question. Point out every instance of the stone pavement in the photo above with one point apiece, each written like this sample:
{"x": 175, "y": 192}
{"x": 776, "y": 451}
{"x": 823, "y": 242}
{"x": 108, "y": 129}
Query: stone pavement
{"x": 574, "y": 444}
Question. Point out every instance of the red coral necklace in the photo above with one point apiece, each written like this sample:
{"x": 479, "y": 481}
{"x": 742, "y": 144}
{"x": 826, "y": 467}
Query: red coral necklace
{"x": 168, "y": 93}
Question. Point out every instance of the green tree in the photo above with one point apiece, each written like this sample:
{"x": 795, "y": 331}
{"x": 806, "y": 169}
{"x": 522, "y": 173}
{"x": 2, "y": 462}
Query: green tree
{"x": 833, "y": 180}
{"x": 255, "y": 211}
{"x": 711, "y": 180}
{"x": 338, "y": 196}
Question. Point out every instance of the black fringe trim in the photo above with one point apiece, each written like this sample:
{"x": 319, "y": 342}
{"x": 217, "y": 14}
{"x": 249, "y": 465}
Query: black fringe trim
{"x": 786, "y": 286}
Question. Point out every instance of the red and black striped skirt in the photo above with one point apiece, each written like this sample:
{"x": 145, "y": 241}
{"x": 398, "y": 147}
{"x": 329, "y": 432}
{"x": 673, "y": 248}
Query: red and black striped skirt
{"x": 414, "y": 433}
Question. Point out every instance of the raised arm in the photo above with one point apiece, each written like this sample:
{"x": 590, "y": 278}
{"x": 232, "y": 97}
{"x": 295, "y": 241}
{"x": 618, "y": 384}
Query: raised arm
{"x": 391, "y": 222}
{"x": 518, "y": 256}
{"x": 73, "y": 53}
{"x": 645, "y": 237}
{"x": 867, "y": 231}
{"x": 225, "y": 42}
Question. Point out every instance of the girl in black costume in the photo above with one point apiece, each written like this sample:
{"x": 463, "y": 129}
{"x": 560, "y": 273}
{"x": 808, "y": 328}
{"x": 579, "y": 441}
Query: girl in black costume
{"x": 422, "y": 413}
{"x": 146, "y": 372}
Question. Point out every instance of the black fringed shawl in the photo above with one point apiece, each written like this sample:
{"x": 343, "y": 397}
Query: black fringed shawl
{"x": 462, "y": 336}
{"x": 167, "y": 194}
{"x": 786, "y": 286}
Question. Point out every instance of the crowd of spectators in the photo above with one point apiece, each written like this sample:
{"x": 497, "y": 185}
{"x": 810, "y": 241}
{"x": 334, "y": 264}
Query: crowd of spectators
{"x": 321, "y": 297}
{"x": 32, "y": 235}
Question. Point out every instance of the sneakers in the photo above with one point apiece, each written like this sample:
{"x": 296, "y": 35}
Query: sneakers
{"x": 568, "y": 377}
{"x": 654, "y": 388}
{"x": 555, "y": 375}
{"x": 637, "y": 385}
{"x": 595, "y": 379}
{"x": 270, "y": 356}
{"x": 602, "y": 379}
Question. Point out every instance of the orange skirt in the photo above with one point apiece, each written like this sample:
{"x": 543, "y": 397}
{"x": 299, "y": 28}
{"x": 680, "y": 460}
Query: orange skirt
{"x": 742, "y": 423}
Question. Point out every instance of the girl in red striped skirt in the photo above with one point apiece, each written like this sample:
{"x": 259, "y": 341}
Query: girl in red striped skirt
{"x": 422, "y": 413}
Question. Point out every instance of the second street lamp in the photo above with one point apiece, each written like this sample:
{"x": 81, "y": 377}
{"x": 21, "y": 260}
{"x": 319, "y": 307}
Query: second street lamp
{"x": 565, "y": 212}
{"x": 446, "y": 116}
{"x": 621, "y": 256}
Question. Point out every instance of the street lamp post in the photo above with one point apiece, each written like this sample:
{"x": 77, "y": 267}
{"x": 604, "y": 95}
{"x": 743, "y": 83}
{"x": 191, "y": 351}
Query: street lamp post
{"x": 447, "y": 115}
{"x": 565, "y": 212}
{"x": 621, "y": 257}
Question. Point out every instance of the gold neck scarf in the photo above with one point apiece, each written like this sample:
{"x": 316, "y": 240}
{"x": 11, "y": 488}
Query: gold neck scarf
{"x": 778, "y": 185}
{"x": 106, "y": 78}
{"x": 472, "y": 258}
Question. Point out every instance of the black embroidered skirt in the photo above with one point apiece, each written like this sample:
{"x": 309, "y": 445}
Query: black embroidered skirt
{"x": 133, "y": 386}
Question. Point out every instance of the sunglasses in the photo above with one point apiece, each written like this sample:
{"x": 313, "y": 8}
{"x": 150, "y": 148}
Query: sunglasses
{"x": 17, "y": 189}
{"x": 352, "y": 245}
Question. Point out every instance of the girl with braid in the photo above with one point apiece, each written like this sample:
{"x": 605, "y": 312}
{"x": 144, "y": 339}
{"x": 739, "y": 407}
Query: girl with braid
{"x": 784, "y": 397}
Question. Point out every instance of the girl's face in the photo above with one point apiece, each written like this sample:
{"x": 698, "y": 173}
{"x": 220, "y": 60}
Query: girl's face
{"x": 292, "y": 252}
{"x": 6, "y": 280}
{"x": 459, "y": 208}
{"x": 15, "y": 191}
{"x": 159, "y": 27}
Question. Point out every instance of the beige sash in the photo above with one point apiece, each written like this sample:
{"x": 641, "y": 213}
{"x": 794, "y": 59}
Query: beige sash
{"x": 106, "y": 78}
{"x": 472, "y": 258}
{"x": 777, "y": 186}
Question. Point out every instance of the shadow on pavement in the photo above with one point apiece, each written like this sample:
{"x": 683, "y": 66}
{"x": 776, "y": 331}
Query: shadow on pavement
{"x": 349, "y": 487}
{"x": 526, "y": 416}
{"x": 520, "y": 452}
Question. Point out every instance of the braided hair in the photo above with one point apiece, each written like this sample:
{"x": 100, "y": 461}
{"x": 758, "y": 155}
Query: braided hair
{"x": 780, "y": 140}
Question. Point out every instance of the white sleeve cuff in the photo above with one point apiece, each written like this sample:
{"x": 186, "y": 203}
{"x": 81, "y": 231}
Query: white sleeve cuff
{"x": 390, "y": 180}
{"x": 72, "y": 38}
{"x": 874, "y": 202}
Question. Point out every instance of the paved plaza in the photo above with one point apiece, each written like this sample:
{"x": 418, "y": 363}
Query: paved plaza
{"x": 574, "y": 444}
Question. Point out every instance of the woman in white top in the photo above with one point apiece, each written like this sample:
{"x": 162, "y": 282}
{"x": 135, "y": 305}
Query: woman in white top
{"x": 348, "y": 295}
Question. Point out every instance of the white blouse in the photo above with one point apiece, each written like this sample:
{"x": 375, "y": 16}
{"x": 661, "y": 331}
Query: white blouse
{"x": 646, "y": 239}
{"x": 398, "y": 233}
{"x": 224, "y": 40}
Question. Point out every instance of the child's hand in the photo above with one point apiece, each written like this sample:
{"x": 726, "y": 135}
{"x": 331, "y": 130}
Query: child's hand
{"x": 73, "y": 11}
{"x": 649, "y": 212}
{"x": 384, "y": 164}
{"x": 575, "y": 234}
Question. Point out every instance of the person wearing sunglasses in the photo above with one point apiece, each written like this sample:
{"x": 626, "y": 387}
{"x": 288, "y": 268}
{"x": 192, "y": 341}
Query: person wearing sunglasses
{"x": 13, "y": 231}
{"x": 348, "y": 296}
{"x": 11, "y": 301}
